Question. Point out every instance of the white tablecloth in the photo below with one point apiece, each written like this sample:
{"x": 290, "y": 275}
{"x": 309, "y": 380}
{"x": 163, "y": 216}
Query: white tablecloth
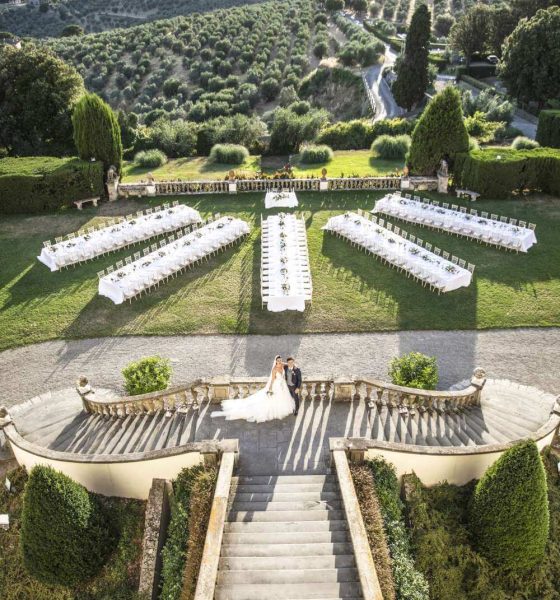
{"x": 280, "y": 199}
{"x": 475, "y": 226}
{"x": 106, "y": 239}
{"x": 285, "y": 262}
{"x": 129, "y": 280}
{"x": 395, "y": 249}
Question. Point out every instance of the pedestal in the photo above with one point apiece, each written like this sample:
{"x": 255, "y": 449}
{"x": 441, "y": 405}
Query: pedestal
{"x": 113, "y": 190}
{"x": 343, "y": 389}
{"x": 442, "y": 184}
{"x": 323, "y": 185}
{"x": 232, "y": 187}
{"x": 405, "y": 183}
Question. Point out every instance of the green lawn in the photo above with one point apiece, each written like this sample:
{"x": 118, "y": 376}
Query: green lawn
{"x": 352, "y": 291}
{"x": 347, "y": 162}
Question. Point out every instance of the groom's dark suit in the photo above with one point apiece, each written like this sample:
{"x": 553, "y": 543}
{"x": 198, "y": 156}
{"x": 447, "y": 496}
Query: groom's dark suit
{"x": 295, "y": 385}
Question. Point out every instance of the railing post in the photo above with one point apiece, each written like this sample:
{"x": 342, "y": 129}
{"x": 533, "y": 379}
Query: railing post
{"x": 343, "y": 389}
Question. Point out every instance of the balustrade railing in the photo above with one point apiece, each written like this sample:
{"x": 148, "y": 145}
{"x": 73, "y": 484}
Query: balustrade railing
{"x": 376, "y": 393}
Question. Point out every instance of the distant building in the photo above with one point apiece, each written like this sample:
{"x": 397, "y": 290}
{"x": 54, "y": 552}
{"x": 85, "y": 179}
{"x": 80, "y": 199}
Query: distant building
{"x": 15, "y": 42}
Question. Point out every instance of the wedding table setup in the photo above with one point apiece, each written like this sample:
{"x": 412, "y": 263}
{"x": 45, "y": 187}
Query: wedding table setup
{"x": 119, "y": 233}
{"x": 441, "y": 272}
{"x": 158, "y": 263}
{"x": 283, "y": 199}
{"x": 285, "y": 274}
{"x": 494, "y": 230}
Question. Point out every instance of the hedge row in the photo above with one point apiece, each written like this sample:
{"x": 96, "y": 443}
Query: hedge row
{"x": 360, "y": 133}
{"x": 548, "y": 131}
{"x": 37, "y": 184}
{"x": 497, "y": 172}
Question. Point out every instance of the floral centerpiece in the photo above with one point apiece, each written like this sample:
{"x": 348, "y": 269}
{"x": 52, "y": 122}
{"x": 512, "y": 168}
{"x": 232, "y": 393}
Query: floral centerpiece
{"x": 414, "y": 251}
{"x": 451, "y": 269}
{"x": 284, "y": 260}
{"x": 285, "y": 288}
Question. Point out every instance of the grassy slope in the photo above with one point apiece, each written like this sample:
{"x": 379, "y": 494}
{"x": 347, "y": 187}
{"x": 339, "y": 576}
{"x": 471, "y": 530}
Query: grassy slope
{"x": 352, "y": 291}
{"x": 347, "y": 162}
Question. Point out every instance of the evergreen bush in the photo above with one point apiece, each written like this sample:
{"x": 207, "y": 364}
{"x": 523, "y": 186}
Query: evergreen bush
{"x": 524, "y": 143}
{"x": 64, "y": 535}
{"x": 548, "y": 130}
{"x": 389, "y": 147}
{"x": 96, "y": 131}
{"x": 42, "y": 183}
{"x": 440, "y": 133}
{"x": 510, "y": 514}
{"x": 229, "y": 154}
{"x": 150, "y": 374}
{"x": 150, "y": 159}
{"x": 312, "y": 154}
{"x": 415, "y": 370}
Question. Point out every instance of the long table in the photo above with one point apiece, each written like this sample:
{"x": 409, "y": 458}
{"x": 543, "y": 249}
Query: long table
{"x": 285, "y": 273}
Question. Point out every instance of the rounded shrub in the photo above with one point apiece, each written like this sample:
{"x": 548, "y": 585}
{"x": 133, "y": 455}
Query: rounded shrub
{"x": 524, "y": 143}
{"x": 64, "y": 536}
{"x": 312, "y": 153}
{"x": 415, "y": 370}
{"x": 510, "y": 516}
{"x": 150, "y": 374}
{"x": 229, "y": 154}
{"x": 388, "y": 146}
{"x": 150, "y": 159}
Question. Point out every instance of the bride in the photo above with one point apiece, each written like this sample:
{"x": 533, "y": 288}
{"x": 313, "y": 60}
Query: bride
{"x": 274, "y": 401}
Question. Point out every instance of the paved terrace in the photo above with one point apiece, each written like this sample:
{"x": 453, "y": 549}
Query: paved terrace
{"x": 294, "y": 445}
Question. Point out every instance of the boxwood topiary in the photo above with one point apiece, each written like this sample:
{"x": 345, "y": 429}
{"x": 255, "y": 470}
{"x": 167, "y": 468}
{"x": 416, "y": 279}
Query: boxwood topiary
{"x": 313, "y": 154}
{"x": 548, "y": 130}
{"x": 415, "y": 370}
{"x": 150, "y": 374}
{"x": 391, "y": 147}
{"x": 229, "y": 154}
{"x": 510, "y": 515}
{"x": 65, "y": 538}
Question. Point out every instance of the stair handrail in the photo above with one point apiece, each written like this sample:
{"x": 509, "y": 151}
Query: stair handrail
{"x": 373, "y": 391}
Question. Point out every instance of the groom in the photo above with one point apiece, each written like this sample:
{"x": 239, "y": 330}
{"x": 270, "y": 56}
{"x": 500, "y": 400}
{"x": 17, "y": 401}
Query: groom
{"x": 293, "y": 379}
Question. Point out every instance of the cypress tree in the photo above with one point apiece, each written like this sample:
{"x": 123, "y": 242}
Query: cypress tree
{"x": 510, "y": 515}
{"x": 64, "y": 538}
{"x": 412, "y": 71}
{"x": 96, "y": 131}
{"x": 440, "y": 133}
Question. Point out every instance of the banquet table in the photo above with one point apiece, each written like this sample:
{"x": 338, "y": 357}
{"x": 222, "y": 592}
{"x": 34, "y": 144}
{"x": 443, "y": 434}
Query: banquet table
{"x": 454, "y": 221}
{"x": 129, "y": 280}
{"x": 284, "y": 199}
{"x": 87, "y": 245}
{"x": 393, "y": 248}
{"x": 285, "y": 274}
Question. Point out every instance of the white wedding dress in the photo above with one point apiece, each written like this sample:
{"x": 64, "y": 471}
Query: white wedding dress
{"x": 261, "y": 406}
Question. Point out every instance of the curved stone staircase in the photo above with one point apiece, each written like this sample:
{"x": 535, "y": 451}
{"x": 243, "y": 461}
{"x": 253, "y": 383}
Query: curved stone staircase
{"x": 286, "y": 538}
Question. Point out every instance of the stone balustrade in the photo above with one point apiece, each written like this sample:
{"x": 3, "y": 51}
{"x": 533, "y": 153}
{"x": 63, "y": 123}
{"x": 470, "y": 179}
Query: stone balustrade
{"x": 375, "y": 392}
{"x": 162, "y": 188}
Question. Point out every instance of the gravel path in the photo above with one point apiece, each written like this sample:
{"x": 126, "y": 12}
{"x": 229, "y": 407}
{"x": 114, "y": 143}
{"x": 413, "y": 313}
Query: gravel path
{"x": 528, "y": 356}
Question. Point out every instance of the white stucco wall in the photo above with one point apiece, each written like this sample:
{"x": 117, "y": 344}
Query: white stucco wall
{"x": 125, "y": 479}
{"x": 457, "y": 469}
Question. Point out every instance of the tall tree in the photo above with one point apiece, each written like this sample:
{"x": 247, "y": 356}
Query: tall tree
{"x": 527, "y": 8}
{"x": 439, "y": 134}
{"x": 97, "y": 133}
{"x": 530, "y": 65}
{"x": 37, "y": 94}
{"x": 471, "y": 32}
{"x": 510, "y": 514}
{"x": 504, "y": 21}
{"x": 412, "y": 71}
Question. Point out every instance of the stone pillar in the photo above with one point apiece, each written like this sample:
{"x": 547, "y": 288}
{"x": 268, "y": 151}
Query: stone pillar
{"x": 405, "y": 183}
{"x": 220, "y": 389}
{"x": 323, "y": 185}
{"x": 113, "y": 189}
{"x": 232, "y": 187}
{"x": 478, "y": 380}
{"x": 442, "y": 184}
{"x": 343, "y": 389}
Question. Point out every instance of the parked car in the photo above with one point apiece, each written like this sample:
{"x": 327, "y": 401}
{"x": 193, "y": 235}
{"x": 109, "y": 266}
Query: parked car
{"x": 493, "y": 59}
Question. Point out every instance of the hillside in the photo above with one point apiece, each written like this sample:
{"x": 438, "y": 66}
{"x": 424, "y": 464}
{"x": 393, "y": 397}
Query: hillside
{"x": 211, "y": 64}
{"x": 50, "y": 18}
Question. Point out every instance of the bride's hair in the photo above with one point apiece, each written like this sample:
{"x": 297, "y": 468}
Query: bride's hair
{"x": 276, "y": 358}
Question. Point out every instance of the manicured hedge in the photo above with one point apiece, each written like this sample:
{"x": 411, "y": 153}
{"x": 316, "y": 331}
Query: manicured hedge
{"x": 360, "y": 133}
{"x": 42, "y": 183}
{"x": 391, "y": 146}
{"x": 548, "y": 131}
{"x": 229, "y": 154}
{"x": 65, "y": 537}
{"x": 515, "y": 170}
{"x": 313, "y": 154}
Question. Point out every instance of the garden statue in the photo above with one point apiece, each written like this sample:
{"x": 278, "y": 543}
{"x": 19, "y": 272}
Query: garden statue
{"x": 112, "y": 183}
{"x": 444, "y": 169}
{"x": 5, "y": 418}
{"x": 443, "y": 177}
{"x": 324, "y": 173}
{"x": 112, "y": 174}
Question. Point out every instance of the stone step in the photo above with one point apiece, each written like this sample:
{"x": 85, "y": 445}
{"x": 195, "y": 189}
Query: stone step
{"x": 288, "y": 576}
{"x": 286, "y": 515}
{"x": 291, "y": 506}
{"x": 283, "y": 479}
{"x": 268, "y": 563}
{"x": 284, "y": 488}
{"x": 324, "y": 549}
{"x": 294, "y": 496}
{"x": 294, "y": 591}
{"x": 302, "y": 537}
{"x": 285, "y": 526}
